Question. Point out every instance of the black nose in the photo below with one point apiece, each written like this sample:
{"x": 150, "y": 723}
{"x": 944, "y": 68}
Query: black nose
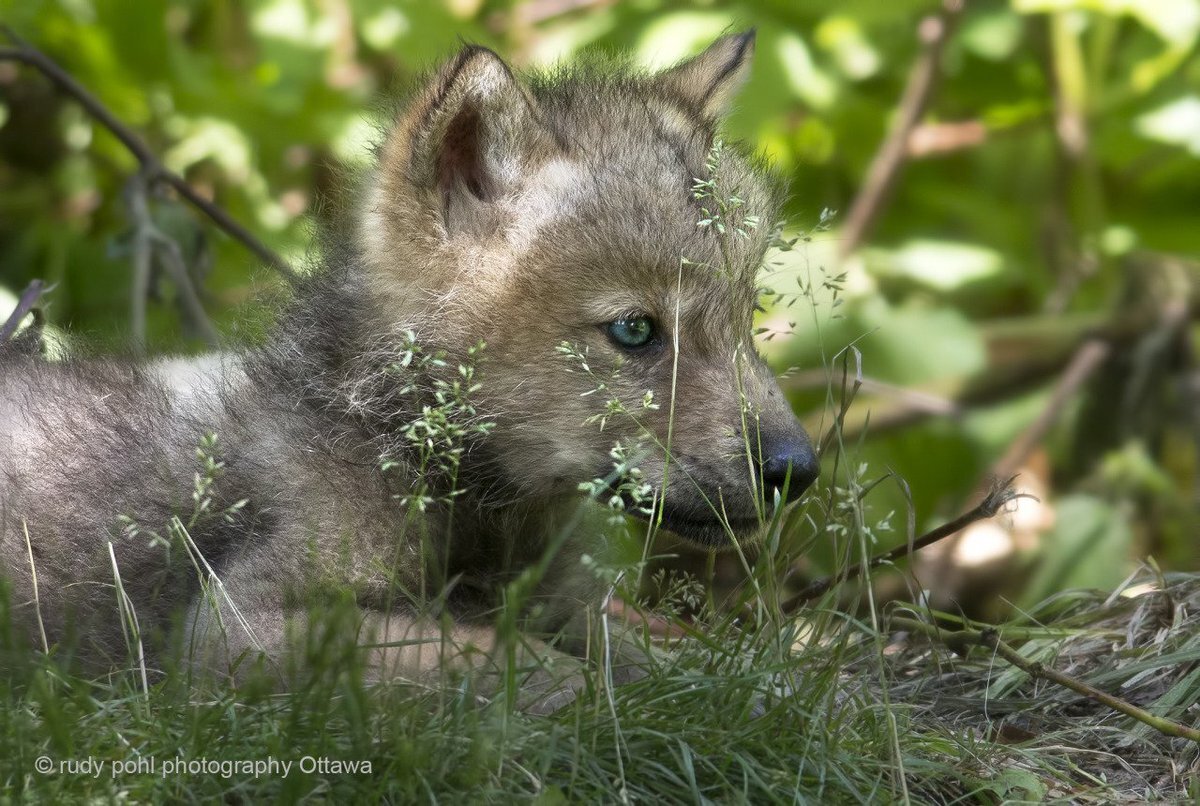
{"x": 792, "y": 452}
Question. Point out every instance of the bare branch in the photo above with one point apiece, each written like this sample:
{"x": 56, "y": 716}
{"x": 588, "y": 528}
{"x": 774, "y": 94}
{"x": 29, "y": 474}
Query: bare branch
{"x": 1000, "y": 495}
{"x": 171, "y": 258}
{"x": 1087, "y": 359}
{"x": 150, "y": 243}
{"x": 934, "y": 31}
{"x": 151, "y": 166}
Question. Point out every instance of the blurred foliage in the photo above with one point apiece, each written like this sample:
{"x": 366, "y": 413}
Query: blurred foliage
{"x": 1052, "y": 188}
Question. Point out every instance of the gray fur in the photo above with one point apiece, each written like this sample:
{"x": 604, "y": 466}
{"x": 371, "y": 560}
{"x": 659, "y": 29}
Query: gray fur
{"x": 517, "y": 211}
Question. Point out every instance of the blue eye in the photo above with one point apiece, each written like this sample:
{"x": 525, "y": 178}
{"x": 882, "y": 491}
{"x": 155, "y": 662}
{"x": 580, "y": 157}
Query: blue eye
{"x": 632, "y": 332}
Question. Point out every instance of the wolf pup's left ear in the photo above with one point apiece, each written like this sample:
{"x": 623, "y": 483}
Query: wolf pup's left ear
{"x": 709, "y": 82}
{"x": 474, "y": 138}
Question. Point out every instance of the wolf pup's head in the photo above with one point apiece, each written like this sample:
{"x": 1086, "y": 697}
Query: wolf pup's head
{"x": 593, "y": 207}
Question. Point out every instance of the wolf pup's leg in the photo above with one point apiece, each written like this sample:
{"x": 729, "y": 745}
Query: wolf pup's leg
{"x": 404, "y": 647}
{"x": 235, "y": 639}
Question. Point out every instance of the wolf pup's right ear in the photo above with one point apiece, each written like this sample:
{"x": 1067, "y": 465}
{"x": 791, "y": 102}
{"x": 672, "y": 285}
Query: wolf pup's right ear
{"x": 475, "y": 136}
{"x": 709, "y": 82}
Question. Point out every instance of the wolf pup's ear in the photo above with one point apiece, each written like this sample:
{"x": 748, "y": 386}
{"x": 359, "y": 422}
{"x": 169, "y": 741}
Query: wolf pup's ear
{"x": 475, "y": 137}
{"x": 709, "y": 81}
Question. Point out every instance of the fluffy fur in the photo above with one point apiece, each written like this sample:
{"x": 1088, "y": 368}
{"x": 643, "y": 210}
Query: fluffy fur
{"x": 518, "y": 212}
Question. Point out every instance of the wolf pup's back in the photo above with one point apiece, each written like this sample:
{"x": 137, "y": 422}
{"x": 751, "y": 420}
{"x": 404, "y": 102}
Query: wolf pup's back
{"x": 80, "y": 446}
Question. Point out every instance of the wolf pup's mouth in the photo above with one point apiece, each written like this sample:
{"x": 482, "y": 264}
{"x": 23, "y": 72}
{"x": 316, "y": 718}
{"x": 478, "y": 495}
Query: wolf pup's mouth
{"x": 708, "y": 528}
{"x": 697, "y": 523}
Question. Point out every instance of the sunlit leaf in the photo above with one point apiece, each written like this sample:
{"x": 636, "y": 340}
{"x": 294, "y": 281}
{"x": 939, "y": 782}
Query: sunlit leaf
{"x": 1176, "y": 21}
{"x": 1177, "y": 123}
{"x": 804, "y": 77}
{"x": 846, "y": 40}
{"x": 942, "y": 265}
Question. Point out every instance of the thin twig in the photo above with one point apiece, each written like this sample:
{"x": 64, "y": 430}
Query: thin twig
{"x": 171, "y": 258}
{"x": 25, "y": 304}
{"x": 889, "y": 412}
{"x": 1087, "y": 359}
{"x": 989, "y": 637}
{"x": 1039, "y": 363}
{"x": 151, "y": 166}
{"x": 1000, "y": 495}
{"x": 142, "y": 258}
{"x": 149, "y": 242}
{"x": 934, "y": 31}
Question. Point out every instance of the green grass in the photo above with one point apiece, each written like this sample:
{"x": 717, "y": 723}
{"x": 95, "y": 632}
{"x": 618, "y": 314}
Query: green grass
{"x": 795, "y": 710}
{"x": 688, "y": 733}
{"x": 818, "y": 707}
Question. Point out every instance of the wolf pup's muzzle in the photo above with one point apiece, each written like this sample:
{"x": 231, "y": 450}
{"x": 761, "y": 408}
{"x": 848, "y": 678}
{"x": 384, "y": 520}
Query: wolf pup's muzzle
{"x": 788, "y": 460}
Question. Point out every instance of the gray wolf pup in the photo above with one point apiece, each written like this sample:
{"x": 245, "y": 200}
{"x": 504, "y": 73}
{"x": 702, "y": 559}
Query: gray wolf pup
{"x": 411, "y": 440}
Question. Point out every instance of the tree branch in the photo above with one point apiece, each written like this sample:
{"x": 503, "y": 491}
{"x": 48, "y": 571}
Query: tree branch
{"x": 992, "y": 503}
{"x": 149, "y": 242}
{"x": 151, "y": 166}
{"x": 990, "y": 638}
{"x": 934, "y": 31}
{"x": 1087, "y": 359}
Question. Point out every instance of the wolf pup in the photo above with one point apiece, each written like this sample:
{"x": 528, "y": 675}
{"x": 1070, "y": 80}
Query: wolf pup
{"x": 410, "y": 439}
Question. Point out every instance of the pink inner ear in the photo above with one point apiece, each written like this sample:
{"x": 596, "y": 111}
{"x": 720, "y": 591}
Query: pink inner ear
{"x": 461, "y": 157}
